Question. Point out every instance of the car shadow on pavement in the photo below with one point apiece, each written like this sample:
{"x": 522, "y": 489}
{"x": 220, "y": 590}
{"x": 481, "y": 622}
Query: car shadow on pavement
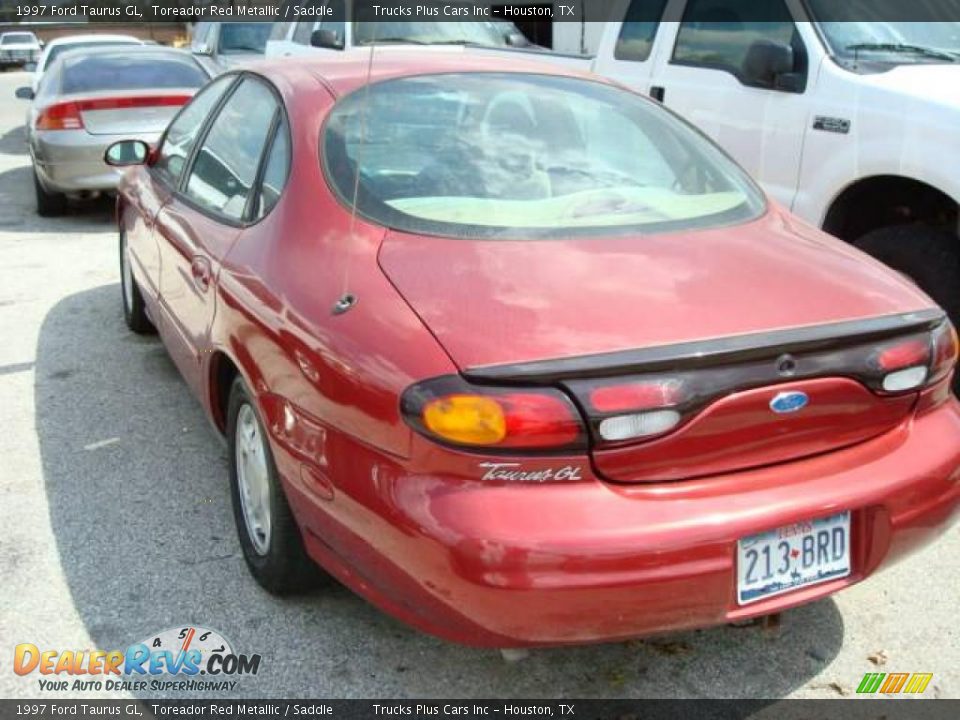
{"x": 14, "y": 141}
{"x": 18, "y": 211}
{"x": 138, "y": 500}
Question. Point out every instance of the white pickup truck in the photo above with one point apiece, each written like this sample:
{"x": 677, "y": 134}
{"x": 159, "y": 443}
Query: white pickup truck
{"x": 321, "y": 27}
{"x": 853, "y": 125}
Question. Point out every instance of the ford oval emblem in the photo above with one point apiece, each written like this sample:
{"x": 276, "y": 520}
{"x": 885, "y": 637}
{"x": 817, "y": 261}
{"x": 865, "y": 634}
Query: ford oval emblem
{"x": 789, "y": 402}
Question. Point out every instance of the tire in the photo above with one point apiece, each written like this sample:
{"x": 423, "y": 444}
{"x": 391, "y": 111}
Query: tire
{"x": 270, "y": 539}
{"x": 930, "y": 257}
{"x": 49, "y": 204}
{"x": 134, "y": 312}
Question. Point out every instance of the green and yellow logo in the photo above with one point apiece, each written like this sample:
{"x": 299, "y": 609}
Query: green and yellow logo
{"x": 893, "y": 683}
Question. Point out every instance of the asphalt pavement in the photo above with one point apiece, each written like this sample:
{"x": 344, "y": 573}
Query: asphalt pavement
{"x": 116, "y": 524}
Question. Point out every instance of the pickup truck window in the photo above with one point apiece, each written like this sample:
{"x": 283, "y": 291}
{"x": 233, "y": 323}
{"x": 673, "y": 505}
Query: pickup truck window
{"x": 716, "y": 33}
{"x": 518, "y": 156}
{"x": 638, "y": 30}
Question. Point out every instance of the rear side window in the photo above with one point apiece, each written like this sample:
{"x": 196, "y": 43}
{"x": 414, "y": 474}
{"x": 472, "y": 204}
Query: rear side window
{"x": 225, "y": 169}
{"x": 131, "y": 71}
{"x": 639, "y": 30}
{"x": 718, "y": 34}
{"x": 275, "y": 173}
{"x": 183, "y": 131}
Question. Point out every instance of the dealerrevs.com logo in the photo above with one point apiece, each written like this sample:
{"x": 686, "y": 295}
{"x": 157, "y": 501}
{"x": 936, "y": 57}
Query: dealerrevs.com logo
{"x": 186, "y": 658}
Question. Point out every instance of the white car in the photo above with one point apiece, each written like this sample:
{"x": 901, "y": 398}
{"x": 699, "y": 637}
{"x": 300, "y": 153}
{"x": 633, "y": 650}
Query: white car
{"x": 18, "y": 48}
{"x": 76, "y": 42}
{"x": 855, "y": 126}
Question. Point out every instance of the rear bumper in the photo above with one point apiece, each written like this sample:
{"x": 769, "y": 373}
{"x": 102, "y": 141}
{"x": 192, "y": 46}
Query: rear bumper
{"x": 71, "y": 161}
{"x": 19, "y": 57}
{"x": 520, "y": 564}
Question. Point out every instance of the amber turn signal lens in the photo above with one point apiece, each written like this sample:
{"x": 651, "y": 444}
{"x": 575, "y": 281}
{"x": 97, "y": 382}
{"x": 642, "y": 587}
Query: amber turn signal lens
{"x": 466, "y": 419}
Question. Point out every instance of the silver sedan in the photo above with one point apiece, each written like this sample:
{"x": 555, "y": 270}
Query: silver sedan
{"x": 90, "y": 98}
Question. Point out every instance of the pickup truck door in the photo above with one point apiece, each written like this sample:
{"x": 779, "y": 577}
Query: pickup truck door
{"x": 703, "y": 70}
{"x": 628, "y": 49}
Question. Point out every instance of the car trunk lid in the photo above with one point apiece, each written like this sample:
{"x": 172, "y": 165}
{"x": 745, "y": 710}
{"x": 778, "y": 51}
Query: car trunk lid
{"x": 134, "y": 112}
{"x": 738, "y": 316}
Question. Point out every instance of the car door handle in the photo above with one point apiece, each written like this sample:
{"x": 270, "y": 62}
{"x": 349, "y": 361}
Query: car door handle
{"x": 202, "y": 272}
{"x": 658, "y": 93}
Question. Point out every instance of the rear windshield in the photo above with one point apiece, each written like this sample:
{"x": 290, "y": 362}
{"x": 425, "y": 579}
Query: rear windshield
{"x": 17, "y": 38}
{"x": 133, "y": 71}
{"x": 518, "y": 156}
{"x": 57, "y": 50}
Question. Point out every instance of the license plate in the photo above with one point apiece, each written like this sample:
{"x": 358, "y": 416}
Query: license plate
{"x": 791, "y": 557}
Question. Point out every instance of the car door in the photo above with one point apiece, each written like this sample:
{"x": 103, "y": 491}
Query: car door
{"x": 707, "y": 73}
{"x": 159, "y": 181}
{"x": 201, "y": 221}
{"x": 627, "y": 49}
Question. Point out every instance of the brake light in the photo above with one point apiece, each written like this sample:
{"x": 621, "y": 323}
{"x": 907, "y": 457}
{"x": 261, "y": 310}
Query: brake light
{"x": 903, "y": 365}
{"x": 62, "y": 116}
{"x": 904, "y": 355}
{"x": 946, "y": 349}
{"x": 451, "y": 411}
{"x": 66, "y": 116}
{"x": 637, "y": 396}
{"x": 637, "y": 409}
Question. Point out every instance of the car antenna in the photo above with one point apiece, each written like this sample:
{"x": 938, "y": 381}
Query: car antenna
{"x": 347, "y": 299}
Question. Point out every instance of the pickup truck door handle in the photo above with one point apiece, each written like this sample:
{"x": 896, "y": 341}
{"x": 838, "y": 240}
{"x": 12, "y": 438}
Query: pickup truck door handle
{"x": 658, "y": 92}
{"x": 202, "y": 272}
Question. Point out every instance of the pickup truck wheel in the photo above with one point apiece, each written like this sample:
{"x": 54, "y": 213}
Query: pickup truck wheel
{"x": 269, "y": 535}
{"x": 134, "y": 312}
{"x": 930, "y": 257}
{"x": 49, "y": 204}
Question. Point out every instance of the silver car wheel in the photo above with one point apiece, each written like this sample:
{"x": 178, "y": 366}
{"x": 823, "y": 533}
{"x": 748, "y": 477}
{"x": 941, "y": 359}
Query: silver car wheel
{"x": 253, "y": 478}
{"x": 127, "y": 278}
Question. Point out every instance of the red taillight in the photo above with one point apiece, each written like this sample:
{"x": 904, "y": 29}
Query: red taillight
{"x": 945, "y": 351}
{"x": 62, "y": 116}
{"x": 493, "y": 419}
{"x": 66, "y": 116}
{"x": 637, "y": 396}
{"x": 904, "y": 355}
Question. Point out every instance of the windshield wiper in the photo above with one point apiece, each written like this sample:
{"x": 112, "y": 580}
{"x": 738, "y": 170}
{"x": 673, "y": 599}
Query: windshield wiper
{"x": 905, "y": 48}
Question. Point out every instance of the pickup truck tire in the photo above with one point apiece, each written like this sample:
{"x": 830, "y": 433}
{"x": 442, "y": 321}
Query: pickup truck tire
{"x": 48, "y": 204}
{"x": 930, "y": 257}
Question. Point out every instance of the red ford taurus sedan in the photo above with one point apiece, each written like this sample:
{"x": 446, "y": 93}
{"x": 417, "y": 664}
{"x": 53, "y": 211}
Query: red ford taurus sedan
{"x": 523, "y": 359}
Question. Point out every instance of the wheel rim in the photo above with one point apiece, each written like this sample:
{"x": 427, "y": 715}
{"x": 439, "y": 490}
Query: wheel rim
{"x": 253, "y": 478}
{"x": 126, "y": 274}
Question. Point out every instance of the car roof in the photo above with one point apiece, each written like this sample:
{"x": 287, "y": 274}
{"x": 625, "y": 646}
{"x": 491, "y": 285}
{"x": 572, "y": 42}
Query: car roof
{"x": 19, "y": 32}
{"x": 350, "y": 69}
{"x": 92, "y": 38}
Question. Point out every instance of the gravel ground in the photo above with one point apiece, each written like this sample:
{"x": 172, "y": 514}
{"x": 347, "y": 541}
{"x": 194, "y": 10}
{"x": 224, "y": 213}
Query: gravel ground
{"x": 116, "y": 518}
